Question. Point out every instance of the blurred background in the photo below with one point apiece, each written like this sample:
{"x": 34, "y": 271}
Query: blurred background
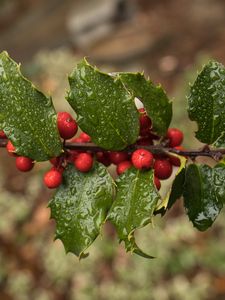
{"x": 169, "y": 40}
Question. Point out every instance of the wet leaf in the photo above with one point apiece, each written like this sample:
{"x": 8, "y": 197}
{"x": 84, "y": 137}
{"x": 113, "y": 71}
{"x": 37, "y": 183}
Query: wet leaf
{"x": 204, "y": 194}
{"x": 104, "y": 107}
{"x": 207, "y": 102}
{"x": 133, "y": 208}
{"x": 220, "y": 142}
{"x": 219, "y": 180}
{"x": 26, "y": 115}
{"x": 155, "y": 100}
{"x": 79, "y": 207}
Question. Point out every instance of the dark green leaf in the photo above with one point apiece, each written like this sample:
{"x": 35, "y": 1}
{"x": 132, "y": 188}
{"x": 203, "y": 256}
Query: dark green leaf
{"x": 134, "y": 205}
{"x": 26, "y": 115}
{"x": 220, "y": 142}
{"x": 155, "y": 100}
{"x": 207, "y": 102}
{"x": 80, "y": 206}
{"x": 204, "y": 194}
{"x": 219, "y": 181}
{"x": 177, "y": 188}
{"x": 104, "y": 108}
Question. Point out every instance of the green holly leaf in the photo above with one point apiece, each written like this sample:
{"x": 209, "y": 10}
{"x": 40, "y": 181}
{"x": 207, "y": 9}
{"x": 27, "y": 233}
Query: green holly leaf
{"x": 155, "y": 100}
{"x": 80, "y": 205}
{"x": 207, "y": 102}
{"x": 27, "y": 116}
{"x": 218, "y": 181}
{"x": 204, "y": 194}
{"x": 104, "y": 107}
{"x": 220, "y": 142}
{"x": 133, "y": 208}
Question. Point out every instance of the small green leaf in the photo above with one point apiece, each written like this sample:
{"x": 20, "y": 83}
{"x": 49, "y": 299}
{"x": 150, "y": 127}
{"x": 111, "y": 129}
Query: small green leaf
{"x": 80, "y": 206}
{"x": 134, "y": 205}
{"x": 104, "y": 107}
{"x": 204, "y": 194}
{"x": 207, "y": 102}
{"x": 155, "y": 100}
{"x": 27, "y": 116}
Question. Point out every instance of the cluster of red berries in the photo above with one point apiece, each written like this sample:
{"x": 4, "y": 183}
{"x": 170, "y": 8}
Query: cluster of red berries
{"x": 23, "y": 163}
{"x": 83, "y": 161}
{"x": 143, "y": 159}
{"x": 67, "y": 128}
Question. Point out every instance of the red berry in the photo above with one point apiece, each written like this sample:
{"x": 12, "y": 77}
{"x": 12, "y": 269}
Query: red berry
{"x": 103, "y": 157}
{"x": 157, "y": 183}
{"x": 142, "y": 159}
{"x": 67, "y": 126}
{"x": 53, "y": 178}
{"x": 54, "y": 161}
{"x": 11, "y": 149}
{"x": 117, "y": 157}
{"x": 85, "y": 137}
{"x": 163, "y": 168}
{"x": 153, "y": 136}
{"x": 142, "y": 110}
{"x": 77, "y": 140}
{"x": 60, "y": 169}
{"x": 123, "y": 166}
{"x": 175, "y": 137}
{"x": 83, "y": 162}
{"x": 145, "y": 124}
{"x": 24, "y": 164}
{"x": 2, "y": 134}
{"x": 160, "y": 155}
{"x": 175, "y": 160}
{"x": 72, "y": 155}
{"x": 145, "y": 141}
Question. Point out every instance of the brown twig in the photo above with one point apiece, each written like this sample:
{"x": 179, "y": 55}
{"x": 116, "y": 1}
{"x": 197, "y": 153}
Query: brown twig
{"x": 155, "y": 149}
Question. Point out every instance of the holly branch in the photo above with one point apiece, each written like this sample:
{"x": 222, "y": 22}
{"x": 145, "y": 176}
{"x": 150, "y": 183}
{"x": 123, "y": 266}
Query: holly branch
{"x": 216, "y": 154}
{"x": 140, "y": 144}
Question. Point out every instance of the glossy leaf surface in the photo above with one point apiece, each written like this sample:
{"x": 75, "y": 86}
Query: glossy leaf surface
{"x": 26, "y": 115}
{"x": 204, "y": 194}
{"x": 219, "y": 181}
{"x": 220, "y": 142}
{"x": 155, "y": 100}
{"x": 207, "y": 102}
{"x": 134, "y": 205}
{"x": 105, "y": 109}
{"x": 80, "y": 205}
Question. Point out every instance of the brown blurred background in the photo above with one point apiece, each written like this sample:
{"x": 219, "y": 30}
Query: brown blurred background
{"x": 169, "y": 40}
